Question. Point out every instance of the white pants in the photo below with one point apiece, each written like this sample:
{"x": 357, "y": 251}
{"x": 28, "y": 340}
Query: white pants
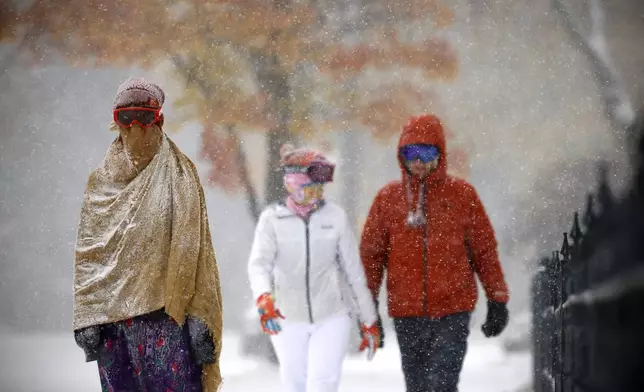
{"x": 311, "y": 355}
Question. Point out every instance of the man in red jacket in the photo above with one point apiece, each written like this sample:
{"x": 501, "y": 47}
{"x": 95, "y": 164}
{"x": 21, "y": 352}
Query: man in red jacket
{"x": 432, "y": 234}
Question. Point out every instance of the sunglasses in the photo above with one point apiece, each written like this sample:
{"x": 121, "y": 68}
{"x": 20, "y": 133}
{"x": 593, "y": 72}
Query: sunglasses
{"x": 318, "y": 172}
{"x": 422, "y": 152}
{"x": 144, "y": 117}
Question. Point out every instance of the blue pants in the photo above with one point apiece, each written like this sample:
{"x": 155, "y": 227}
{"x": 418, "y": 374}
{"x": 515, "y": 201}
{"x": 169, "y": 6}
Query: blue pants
{"x": 432, "y": 351}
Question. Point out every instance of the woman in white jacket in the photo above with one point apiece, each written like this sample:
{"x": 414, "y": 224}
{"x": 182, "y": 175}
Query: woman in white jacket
{"x": 306, "y": 275}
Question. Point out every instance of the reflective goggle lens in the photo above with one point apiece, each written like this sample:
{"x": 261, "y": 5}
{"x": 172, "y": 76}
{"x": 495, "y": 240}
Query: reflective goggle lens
{"x": 423, "y": 152}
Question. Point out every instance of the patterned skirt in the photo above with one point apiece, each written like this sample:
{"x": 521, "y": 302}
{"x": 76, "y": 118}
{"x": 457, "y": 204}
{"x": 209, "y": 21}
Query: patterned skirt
{"x": 147, "y": 353}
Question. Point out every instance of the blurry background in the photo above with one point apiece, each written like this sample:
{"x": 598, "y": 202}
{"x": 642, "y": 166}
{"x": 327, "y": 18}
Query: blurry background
{"x": 533, "y": 95}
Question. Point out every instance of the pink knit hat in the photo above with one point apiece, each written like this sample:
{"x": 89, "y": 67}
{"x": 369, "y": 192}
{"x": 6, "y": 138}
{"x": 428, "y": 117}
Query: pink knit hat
{"x": 138, "y": 92}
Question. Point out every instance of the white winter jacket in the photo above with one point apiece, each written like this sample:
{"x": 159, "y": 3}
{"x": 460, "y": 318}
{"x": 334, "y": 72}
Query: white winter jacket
{"x": 312, "y": 268}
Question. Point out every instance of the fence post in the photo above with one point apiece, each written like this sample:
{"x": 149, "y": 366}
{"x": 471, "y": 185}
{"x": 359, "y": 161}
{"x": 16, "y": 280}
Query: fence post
{"x": 564, "y": 281}
{"x": 556, "y": 318}
{"x": 577, "y": 357}
{"x": 537, "y": 328}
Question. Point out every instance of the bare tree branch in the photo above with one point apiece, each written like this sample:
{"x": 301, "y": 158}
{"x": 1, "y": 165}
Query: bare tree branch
{"x": 618, "y": 106}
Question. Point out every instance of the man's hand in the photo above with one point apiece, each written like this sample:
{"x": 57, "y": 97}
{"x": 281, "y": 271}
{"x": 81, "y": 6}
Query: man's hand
{"x": 497, "y": 319}
{"x": 89, "y": 339}
{"x": 381, "y": 332}
{"x": 201, "y": 345}
{"x": 381, "y": 329}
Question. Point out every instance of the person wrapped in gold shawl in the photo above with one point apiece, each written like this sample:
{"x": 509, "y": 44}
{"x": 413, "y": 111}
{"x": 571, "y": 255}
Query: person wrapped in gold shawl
{"x": 147, "y": 296}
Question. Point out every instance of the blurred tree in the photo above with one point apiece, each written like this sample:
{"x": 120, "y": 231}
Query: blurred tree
{"x": 285, "y": 67}
{"x": 585, "y": 24}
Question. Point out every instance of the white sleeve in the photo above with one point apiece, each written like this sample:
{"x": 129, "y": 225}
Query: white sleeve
{"x": 262, "y": 257}
{"x": 349, "y": 259}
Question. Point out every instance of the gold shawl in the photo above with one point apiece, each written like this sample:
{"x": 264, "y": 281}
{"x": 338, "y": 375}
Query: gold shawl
{"x": 144, "y": 243}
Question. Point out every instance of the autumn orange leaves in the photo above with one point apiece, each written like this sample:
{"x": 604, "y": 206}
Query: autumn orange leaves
{"x": 292, "y": 69}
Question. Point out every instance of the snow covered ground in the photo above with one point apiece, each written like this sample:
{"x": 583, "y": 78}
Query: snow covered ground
{"x": 52, "y": 363}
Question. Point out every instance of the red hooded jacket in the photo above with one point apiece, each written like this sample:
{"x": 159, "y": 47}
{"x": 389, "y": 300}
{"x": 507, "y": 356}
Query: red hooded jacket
{"x": 430, "y": 269}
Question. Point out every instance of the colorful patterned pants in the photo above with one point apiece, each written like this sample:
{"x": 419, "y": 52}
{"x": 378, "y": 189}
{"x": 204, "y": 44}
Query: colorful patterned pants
{"x": 147, "y": 353}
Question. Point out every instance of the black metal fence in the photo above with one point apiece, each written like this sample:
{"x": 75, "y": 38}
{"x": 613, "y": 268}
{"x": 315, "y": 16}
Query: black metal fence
{"x": 588, "y": 298}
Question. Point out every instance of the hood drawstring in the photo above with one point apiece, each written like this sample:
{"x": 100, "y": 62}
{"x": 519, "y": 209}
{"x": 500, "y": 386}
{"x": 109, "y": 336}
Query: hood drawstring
{"x": 415, "y": 218}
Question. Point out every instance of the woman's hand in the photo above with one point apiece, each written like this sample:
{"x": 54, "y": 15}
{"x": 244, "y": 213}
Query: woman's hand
{"x": 370, "y": 339}
{"x": 268, "y": 314}
{"x": 201, "y": 345}
{"x": 89, "y": 339}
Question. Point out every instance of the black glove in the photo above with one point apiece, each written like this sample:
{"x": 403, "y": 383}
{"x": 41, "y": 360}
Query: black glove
{"x": 381, "y": 330}
{"x": 202, "y": 347}
{"x": 89, "y": 339}
{"x": 497, "y": 319}
{"x": 379, "y": 323}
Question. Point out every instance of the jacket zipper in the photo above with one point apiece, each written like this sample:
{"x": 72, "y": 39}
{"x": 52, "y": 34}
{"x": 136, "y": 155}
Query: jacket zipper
{"x": 425, "y": 256}
{"x": 308, "y": 271}
{"x": 425, "y": 266}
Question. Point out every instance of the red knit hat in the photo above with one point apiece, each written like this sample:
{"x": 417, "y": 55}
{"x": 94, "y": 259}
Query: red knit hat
{"x": 305, "y": 160}
{"x": 291, "y": 156}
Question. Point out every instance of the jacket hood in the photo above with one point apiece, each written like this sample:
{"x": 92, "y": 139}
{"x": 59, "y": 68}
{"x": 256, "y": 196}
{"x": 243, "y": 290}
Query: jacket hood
{"x": 425, "y": 129}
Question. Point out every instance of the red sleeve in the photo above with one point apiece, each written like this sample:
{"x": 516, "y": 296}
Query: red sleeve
{"x": 483, "y": 250}
{"x": 374, "y": 245}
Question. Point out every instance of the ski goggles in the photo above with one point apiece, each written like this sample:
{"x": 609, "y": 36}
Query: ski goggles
{"x": 318, "y": 172}
{"x": 422, "y": 152}
{"x": 144, "y": 117}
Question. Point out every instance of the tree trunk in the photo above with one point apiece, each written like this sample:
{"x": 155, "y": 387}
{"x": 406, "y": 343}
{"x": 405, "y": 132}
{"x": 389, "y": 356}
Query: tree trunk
{"x": 275, "y": 84}
{"x": 274, "y": 188}
{"x": 351, "y": 175}
{"x": 252, "y": 199}
{"x": 249, "y": 188}
{"x": 353, "y": 168}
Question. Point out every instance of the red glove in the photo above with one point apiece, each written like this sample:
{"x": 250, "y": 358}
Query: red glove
{"x": 268, "y": 314}
{"x": 370, "y": 339}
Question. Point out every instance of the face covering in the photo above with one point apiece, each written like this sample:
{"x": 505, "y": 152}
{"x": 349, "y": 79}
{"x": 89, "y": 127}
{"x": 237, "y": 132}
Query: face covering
{"x": 140, "y": 144}
{"x": 304, "y": 195}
